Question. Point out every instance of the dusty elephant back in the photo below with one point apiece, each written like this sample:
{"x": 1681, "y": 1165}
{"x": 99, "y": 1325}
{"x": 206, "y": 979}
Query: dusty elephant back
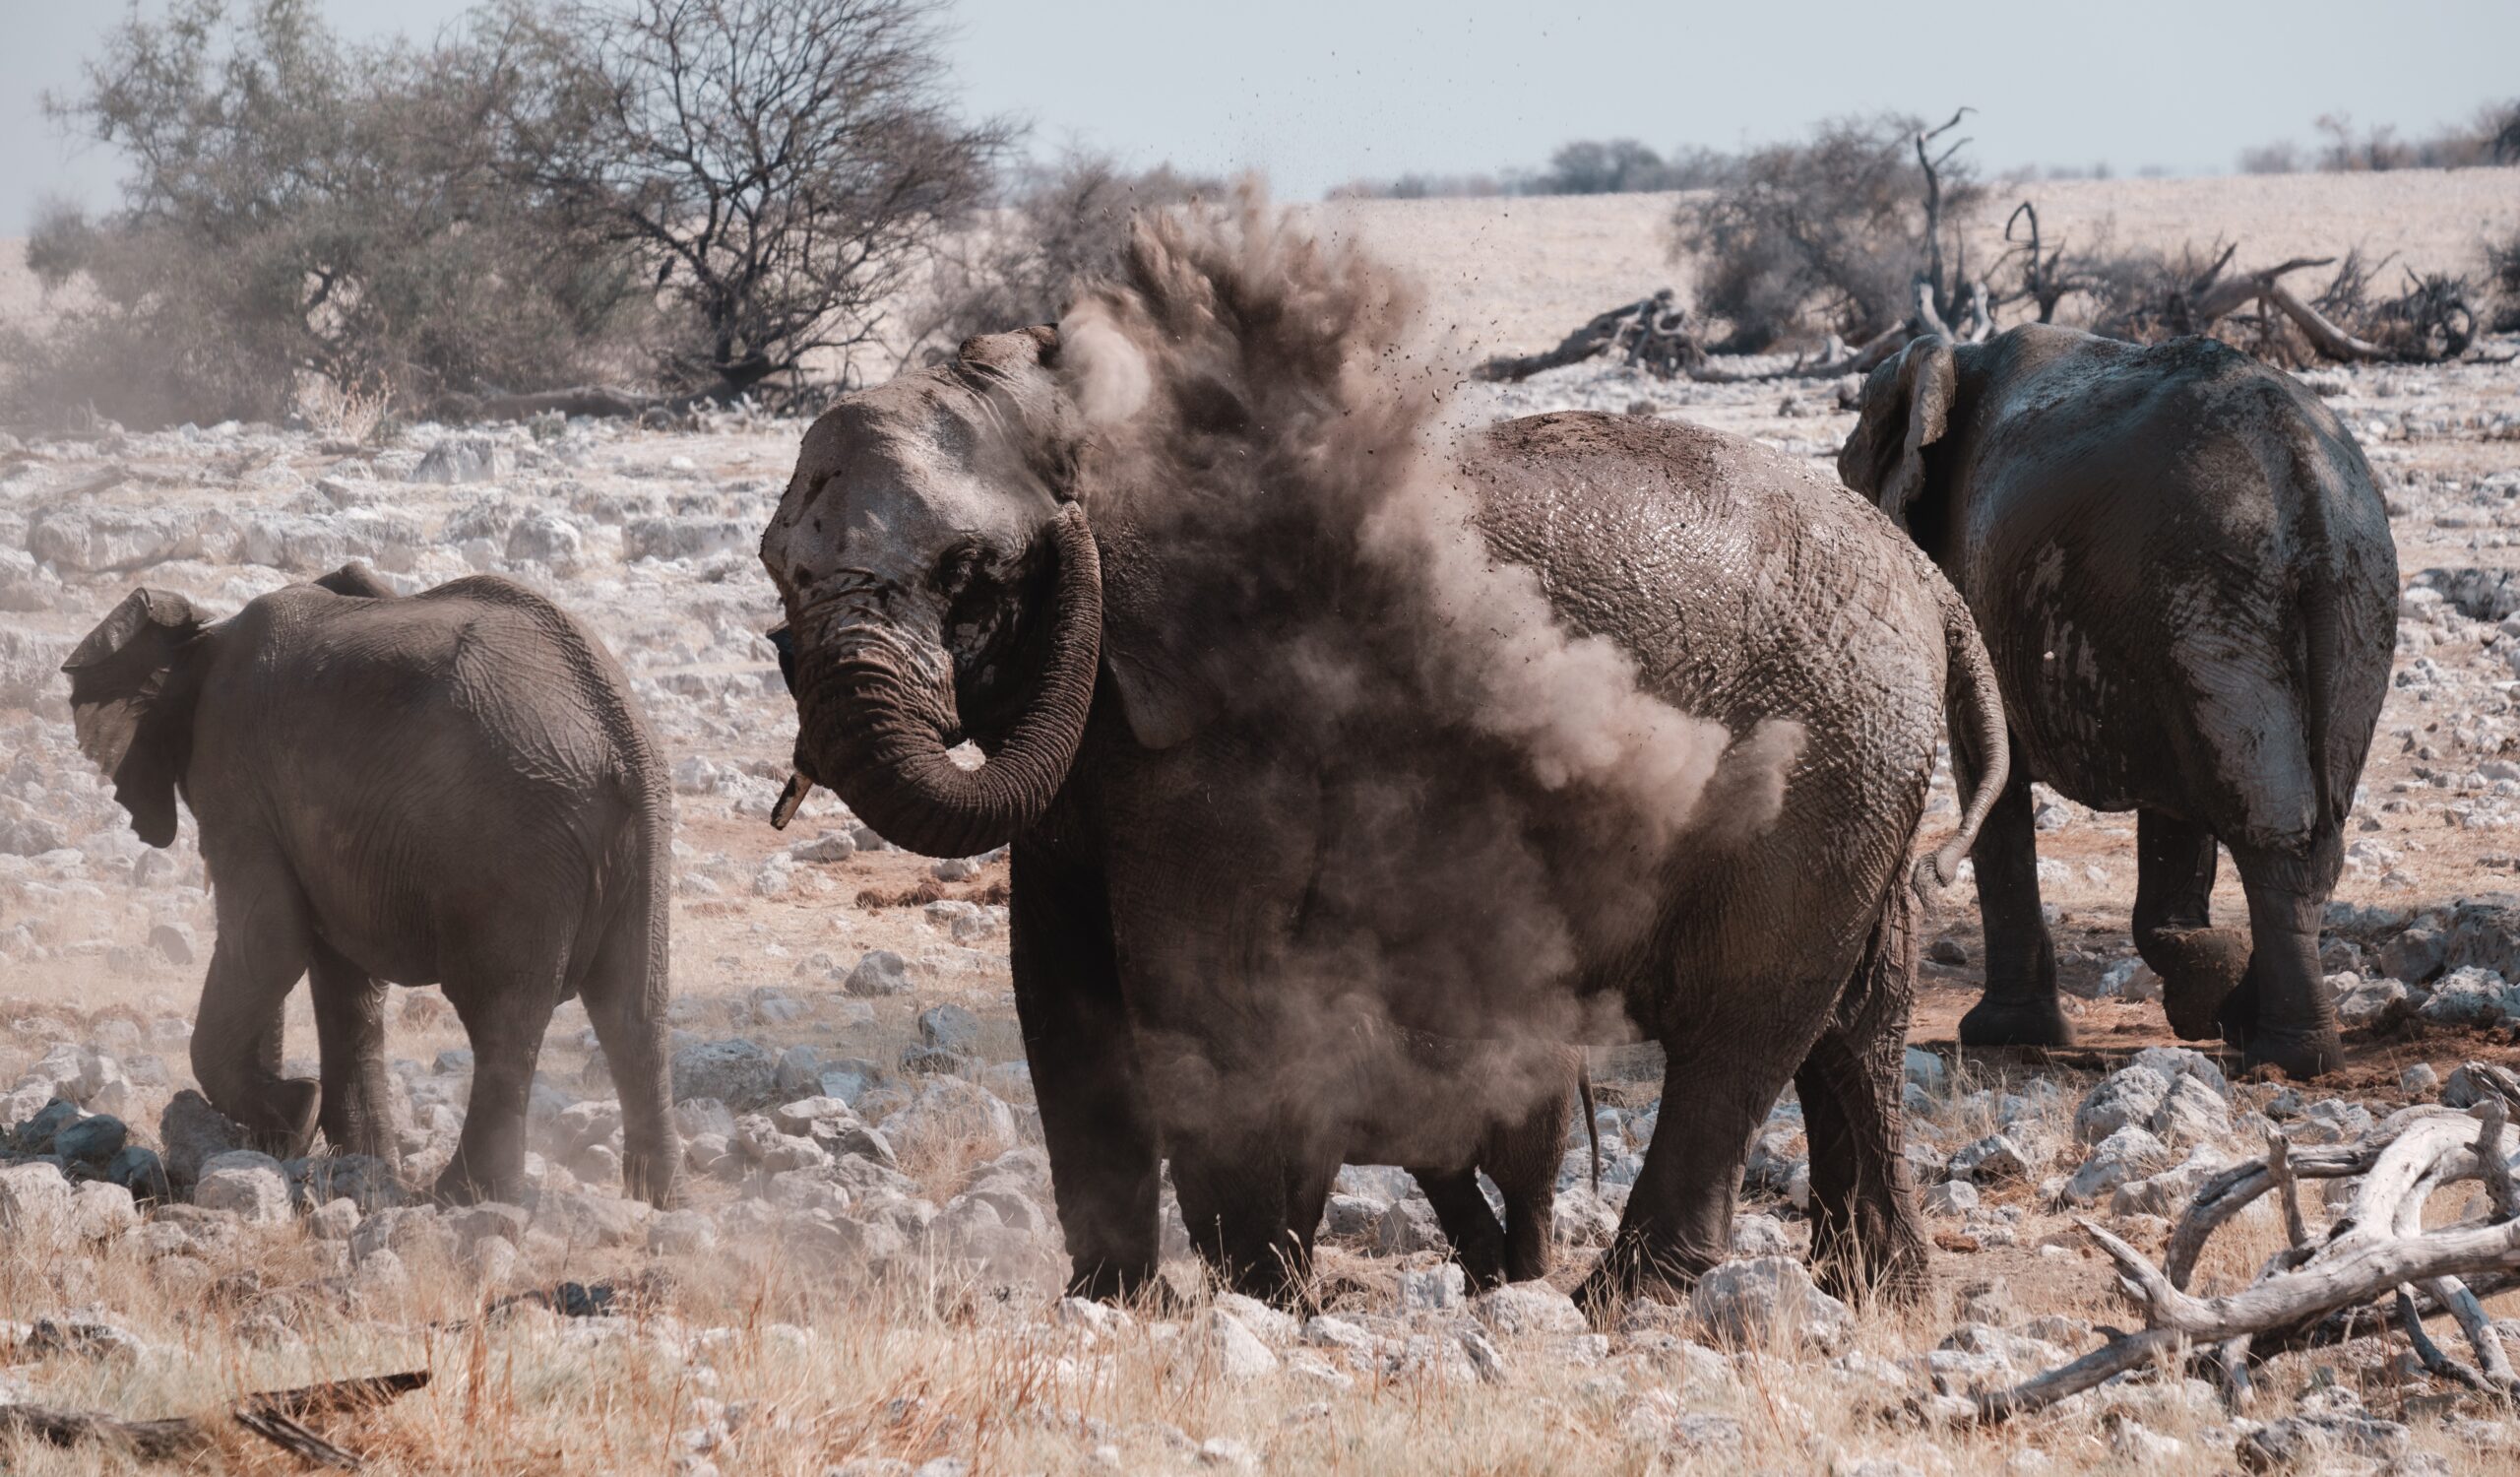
{"x": 1746, "y": 587}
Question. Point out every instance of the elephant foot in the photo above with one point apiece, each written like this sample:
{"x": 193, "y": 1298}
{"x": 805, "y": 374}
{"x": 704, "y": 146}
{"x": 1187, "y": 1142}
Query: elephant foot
{"x": 1884, "y": 1256}
{"x": 1112, "y": 1282}
{"x": 651, "y": 1178}
{"x": 2016, "y": 1020}
{"x": 2300, "y": 1054}
{"x": 289, "y": 1120}
{"x": 1628, "y": 1268}
{"x": 2199, "y": 970}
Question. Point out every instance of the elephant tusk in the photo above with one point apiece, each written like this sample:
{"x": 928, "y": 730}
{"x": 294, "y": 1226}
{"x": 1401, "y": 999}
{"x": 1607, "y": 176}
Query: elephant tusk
{"x": 798, "y": 787}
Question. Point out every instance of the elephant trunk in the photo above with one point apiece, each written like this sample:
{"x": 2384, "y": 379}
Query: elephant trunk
{"x": 871, "y": 730}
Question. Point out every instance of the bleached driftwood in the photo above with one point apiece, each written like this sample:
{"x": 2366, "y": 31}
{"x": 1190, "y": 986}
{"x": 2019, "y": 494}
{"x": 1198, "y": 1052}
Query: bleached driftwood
{"x": 2378, "y": 1249}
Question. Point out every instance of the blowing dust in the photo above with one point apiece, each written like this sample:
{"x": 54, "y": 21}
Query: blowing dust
{"x": 1488, "y": 800}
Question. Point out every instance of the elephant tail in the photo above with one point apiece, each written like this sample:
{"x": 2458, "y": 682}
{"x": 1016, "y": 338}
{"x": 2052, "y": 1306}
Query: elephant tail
{"x": 1973, "y": 698}
{"x": 1592, "y": 1121}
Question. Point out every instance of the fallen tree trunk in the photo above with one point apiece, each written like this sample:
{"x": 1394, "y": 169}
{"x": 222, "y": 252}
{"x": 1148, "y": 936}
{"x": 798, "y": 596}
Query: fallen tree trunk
{"x": 1651, "y": 331}
{"x": 272, "y": 1415}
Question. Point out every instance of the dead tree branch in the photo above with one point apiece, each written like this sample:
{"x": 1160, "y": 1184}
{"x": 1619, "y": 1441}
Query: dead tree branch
{"x": 272, "y": 1415}
{"x": 2378, "y": 1249}
{"x": 1651, "y": 333}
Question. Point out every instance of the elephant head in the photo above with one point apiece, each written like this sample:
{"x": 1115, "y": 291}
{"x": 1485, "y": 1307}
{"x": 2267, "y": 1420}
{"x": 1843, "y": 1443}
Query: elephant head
{"x": 941, "y": 583}
{"x": 133, "y": 684}
{"x": 1907, "y": 407}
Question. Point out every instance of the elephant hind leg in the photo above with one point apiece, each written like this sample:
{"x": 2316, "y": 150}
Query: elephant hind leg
{"x": 2019, "y": 1007}
{"x": 505, "y": 1009}
{"x": 2200, "y": 965}
{"x": 236, "y": 1047}
{"x": 2281, "y": 1015}
{"x": 1477, "y": 1239}
{"x": 1865, "y": 1234}
{"x": 349, "y": 1029}
{"x": 625, "y": 995}
{"x": 1678, "y": 1220}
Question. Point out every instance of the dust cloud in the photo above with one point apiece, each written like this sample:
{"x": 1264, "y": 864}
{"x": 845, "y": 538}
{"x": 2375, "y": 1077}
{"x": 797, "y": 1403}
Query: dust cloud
{"x": 1486, "y": 802}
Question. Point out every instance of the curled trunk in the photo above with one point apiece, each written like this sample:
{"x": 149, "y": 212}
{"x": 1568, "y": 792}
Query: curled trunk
{"x": 871, "y": 735}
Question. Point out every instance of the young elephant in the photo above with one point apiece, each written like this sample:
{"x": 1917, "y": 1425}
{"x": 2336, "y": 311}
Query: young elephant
{"x": 1447, "y": 1110}
{"x": 453, "y": 789}
{"x": 2186, "y": 581}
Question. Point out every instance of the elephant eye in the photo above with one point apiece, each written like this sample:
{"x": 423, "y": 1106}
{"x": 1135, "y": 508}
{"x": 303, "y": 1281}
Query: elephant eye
{"x": 959, "y": 565}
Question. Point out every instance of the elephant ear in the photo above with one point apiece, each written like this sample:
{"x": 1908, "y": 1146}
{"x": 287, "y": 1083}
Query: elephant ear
{"x": 131, "y": 703}
{"x": 1905, "y": 408}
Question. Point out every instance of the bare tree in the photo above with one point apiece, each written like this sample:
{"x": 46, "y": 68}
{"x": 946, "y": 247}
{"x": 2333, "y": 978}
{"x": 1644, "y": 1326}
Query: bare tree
{"x": 784, "y": 165}
{"x": 1833, "y": 235}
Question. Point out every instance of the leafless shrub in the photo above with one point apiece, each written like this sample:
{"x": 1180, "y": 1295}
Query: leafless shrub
{"x": 1059, "y": 226}
{"x": 300, "y": 210}
{"x": 781, "y": 167}
{"x": 1822, "y": 235}
{"x": 2492, "y": 136}
{"x": 2502, "y": 280}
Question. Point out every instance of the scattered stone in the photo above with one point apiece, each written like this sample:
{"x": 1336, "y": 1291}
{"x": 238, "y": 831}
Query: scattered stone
{"x": 1409, "y": 1225}
{"x": 2131, "y": 1096}
{"x": 2129, "y": 1154}
{"x": 250, "y": 1185}
{"x": 2191, "y": 1114}
{"x": 1233, "y": 1350}
{"x": 879, "y": 972}
{"x": 92, "y": 1141}
{"x": 2469, "y": 997}
{"x": 192, "y": 1132}
{"x": 1527, "y": 1308}
{"x": 1951, "y": 1197}
{"x": 2419, "y": 1079}
{"x": 1432, "y": 1289}
{"x": 1743, "y": 1302}
{"x": 2416, "y": 955}
{"x": 738, "y": 1073}
{"x": 949, "y": 1028}
{"x": 36, "y": 1206}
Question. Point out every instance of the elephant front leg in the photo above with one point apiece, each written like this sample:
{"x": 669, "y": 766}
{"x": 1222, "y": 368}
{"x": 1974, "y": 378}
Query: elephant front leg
{"x": 349, "y": 1032}
{"x": 2019, "y": 1007}
{"x": 237, "y": 1032}
{"x": 1097, "y": 1118}
{"x": 2200, "y": 965}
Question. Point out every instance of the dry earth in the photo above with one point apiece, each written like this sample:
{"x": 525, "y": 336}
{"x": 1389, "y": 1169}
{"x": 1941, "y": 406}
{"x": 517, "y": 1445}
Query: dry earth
{"x": 814, "y": 1305}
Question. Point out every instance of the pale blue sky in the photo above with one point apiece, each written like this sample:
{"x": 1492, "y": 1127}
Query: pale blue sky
{"x": 1324, "y": 90}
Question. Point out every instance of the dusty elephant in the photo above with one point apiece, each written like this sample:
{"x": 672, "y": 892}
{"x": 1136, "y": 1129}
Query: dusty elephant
{"x": 2186, "y": 581}
{"x": 454, "y": 787}
{"x": 1206, "y": 880}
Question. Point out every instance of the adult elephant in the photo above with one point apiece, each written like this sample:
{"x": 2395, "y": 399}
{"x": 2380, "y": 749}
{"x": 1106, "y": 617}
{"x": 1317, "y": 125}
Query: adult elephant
{"x": 455, "y": 789}
{"x": 2187, "y": 584}
{"x": 1223, "y": 856}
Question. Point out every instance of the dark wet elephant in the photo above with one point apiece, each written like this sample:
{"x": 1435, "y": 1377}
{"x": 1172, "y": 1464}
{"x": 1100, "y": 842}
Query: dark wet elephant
{"x": 454, "y": 787}
{"x": 2186, "y": 581}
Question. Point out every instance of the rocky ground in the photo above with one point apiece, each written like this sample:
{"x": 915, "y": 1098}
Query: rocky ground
{"x": 863, "y": 1275}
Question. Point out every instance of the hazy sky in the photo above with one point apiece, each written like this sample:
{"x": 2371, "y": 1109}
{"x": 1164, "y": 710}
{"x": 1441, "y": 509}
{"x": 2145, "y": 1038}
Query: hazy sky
{"x": 1325, "y": 90}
